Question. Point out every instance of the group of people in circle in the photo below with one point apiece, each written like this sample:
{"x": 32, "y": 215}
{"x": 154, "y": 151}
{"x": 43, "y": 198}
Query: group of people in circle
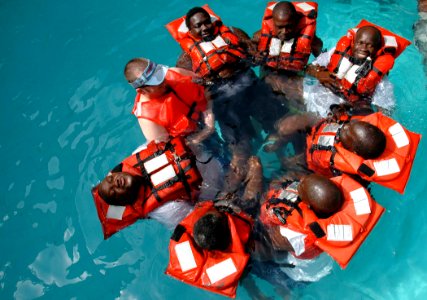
{"x": 204, "y": 119}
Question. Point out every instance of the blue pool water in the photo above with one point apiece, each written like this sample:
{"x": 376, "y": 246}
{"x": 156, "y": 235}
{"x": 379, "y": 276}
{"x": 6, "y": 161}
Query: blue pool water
{"x": 65, "y": 121}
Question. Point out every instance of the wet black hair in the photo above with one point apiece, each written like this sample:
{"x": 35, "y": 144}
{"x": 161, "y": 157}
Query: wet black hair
{"x": 192, "y": 12}
{"x": 211, "y": 232}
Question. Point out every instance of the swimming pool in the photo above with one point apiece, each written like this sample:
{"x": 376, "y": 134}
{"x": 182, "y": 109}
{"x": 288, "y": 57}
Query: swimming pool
{"x": 66, "y": 121}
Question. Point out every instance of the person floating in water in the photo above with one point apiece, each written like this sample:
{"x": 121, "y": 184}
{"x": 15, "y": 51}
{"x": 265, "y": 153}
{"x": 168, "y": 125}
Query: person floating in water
{"x": 210, "y": 247}
{"x": 373, "y": 147}
{"x": 219, "y": 55}
{"x": 315, "y": 215}
{"x": 145, "y": 181}
{"x": 284, "y": 44}
{"x": 355, "y": 67}
{"x": 168, "y": 102}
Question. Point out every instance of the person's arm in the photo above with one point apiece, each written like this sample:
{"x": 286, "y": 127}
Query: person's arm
{"x": 291, "y": 124}
{"x": 153, "y": 131}
{"x": 208, "y": 129}
{"x": 184, "y": 61}
{"x": 316, "y": 46}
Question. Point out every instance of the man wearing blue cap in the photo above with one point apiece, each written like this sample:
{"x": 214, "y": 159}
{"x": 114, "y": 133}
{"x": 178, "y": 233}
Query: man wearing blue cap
{"x": 168, "y": 102}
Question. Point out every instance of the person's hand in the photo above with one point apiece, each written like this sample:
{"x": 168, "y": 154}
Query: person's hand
{"x": 325, "y": 77}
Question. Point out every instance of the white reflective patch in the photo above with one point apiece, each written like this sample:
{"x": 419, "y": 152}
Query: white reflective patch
{"x": 345, "y": 65}
{"x": 285, "y": 194}
{"x": 163, "y": 175}
{"x": 275, "y": 46}
{"x": 390, "y": 41}
{"x": 386, "y": 167}
{"x": 360, "y": 201}
{"x": 115, "y": 212}
{"x": 183, "y": 28}
{"x": 296, "y": 239}
{"x": 351, "y": 74}
{"x": 207, "y": 47}
{"x": 293, "y": 186}
{"x": 399, "y": 135}
{"x": 340, "y": 233}
{"x": 221, "y": 270}
{"x": 305, "y": 6}
{"x": 155, "y": 163}
{"x": 287, "y": 46}
{"x": 219, "y": 42}
{"x": 332, "y": 127}
{"x": 185, "y": 256}
{"x": 326, "y": 140}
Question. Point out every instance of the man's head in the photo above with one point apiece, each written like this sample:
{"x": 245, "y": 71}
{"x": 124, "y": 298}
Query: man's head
{"x": 146, "y": 76}
{"x": 285, "y": 19}
{"x": 211, "y": 231}
{"x": 200, "y": 24}
{"x": 321, "y": 194}
{"x": 362, "y": 138}
{"x": 120, "y": 188}
{"x": 367, "y": 42}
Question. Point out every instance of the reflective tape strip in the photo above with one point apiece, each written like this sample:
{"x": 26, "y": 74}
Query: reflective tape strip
{"x": 399, "y": 135}
{"x": 390, "y": 41}
{"x": 386, "y": 167}
{"x": 138, "y": 109}
{"x": 115, "y": 212}
{"x": 275, "y": 46}
{"x": 296, "y": 239}
{"x": 183, "y": 27}
{"x": 326, "y": 140}
{"x": 360, "y": 201}
{"x": 305, "y": 6}
{"x": 345, "y": 65}
{"x": 219, "y": 42}
{"x": 221, "y": 270}
{"x": 287, "y": 46}
{"x": 351, "y": 74}
{"x": 163, "y": 175}
{"x": 207, "y": 47}
{"x": 285, "y": 194}
{"x": 332, "y": 127}
{"x": 156, "y": 163}
{"x": 339, "y": 233}
{"x": 185, "y": 256}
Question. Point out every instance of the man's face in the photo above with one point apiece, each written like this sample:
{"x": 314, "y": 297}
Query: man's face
{"x": 122, "y": 188}
{"x": 285, "y": 25}
{"x": 364, "y": 45}
{"x": 201, "y": 26}
{"x": 153, "y": 90}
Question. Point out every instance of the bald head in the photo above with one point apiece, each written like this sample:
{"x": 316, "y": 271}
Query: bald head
{"x": 321, "y": 194}
{"x": 134, "y": 68}
{"x": 367, "y": 42}
{"x": 364, "y": 139}
{"x": 284, "y": 9}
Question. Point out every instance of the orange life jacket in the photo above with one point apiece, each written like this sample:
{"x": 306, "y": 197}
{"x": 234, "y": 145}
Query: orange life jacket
{"x": 289, "y": 55}
{"x": 215, "y": 271}
{"x": 326, "y": 154}
{"x": 170, "y": 173}
{"x": 360, "y": 80}
{"x": 208, "y": 58}
{"x": 341, "y": 234}
{"x": 178, "y": 111}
